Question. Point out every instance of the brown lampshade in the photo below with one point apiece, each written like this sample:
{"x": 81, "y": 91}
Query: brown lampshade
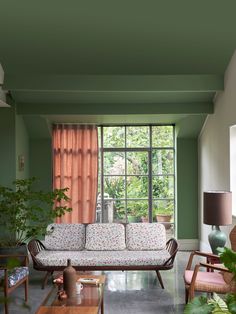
{"x": 217, "y": 208}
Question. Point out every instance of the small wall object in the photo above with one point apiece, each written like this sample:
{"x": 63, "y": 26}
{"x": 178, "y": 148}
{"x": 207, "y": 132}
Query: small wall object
{"x": 69, "y": 280}
{"x": 21, "y": 162}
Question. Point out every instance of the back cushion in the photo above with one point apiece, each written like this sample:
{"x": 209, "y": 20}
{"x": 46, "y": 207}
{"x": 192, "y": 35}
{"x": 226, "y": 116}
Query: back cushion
{"x": 65, "y": 237}
{"x": 105, "y": 237}
{"x": 145, "y": 236}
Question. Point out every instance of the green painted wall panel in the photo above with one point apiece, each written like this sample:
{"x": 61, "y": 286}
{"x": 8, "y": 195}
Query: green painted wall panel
{"x": 187, "y": 188}
{"x": 22, "y": 149}
{"x": 8, "y": 147}
{"x": 41, "y": 163}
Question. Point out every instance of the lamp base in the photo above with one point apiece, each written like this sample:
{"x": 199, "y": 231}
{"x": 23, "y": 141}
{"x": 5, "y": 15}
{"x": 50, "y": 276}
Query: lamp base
{"x": 217, "y": 238}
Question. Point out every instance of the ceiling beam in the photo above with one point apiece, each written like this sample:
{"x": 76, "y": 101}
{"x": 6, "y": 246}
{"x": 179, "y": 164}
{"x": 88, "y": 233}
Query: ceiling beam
{"x": 91, "y": 83}
{"x": 114, "y": 109}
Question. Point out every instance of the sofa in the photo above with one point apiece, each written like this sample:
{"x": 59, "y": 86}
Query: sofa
{"x": 104, "y": 246}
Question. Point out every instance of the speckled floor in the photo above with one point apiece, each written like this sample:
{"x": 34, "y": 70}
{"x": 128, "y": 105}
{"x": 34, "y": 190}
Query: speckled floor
{"x": 130, "y": 292}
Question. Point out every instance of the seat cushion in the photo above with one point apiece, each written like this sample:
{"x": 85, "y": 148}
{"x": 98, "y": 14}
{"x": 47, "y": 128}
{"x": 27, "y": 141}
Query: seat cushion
{"x": 145, "y": 236}
{"x": 65, "y": 237}
{"x": 105, "y": 237}
{"x": 15, "y": 275}
{"x": 208, "y": 281}
{"x": 103, "y": 258}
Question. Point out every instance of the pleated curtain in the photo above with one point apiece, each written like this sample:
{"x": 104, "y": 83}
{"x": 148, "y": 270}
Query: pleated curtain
{"x": 75, "y": 165}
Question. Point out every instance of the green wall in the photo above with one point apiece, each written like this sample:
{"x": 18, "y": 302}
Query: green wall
{"x": 22, "y": 148}
{"x": 187, "y": 188}
{"x": 41, "y": 162}
{"x": 8, "y": 147}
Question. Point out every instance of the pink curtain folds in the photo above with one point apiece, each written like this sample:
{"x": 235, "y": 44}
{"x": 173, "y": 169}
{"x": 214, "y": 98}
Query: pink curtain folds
{"x": 75, "y": 165}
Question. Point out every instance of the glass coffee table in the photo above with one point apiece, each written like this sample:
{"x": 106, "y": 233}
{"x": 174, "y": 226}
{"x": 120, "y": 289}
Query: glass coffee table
{"x": 89, "y": 301}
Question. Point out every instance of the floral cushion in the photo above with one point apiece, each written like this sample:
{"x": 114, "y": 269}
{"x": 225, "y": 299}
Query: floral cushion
{"x": 145, "y": 236}
{"x": 103, "y": 258}
{"x": 65, "y": 237}
{"x": 105, "y": 237}
{"x": 15, "y": 275}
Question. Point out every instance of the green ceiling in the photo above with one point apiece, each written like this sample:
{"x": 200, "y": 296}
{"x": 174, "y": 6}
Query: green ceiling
{"x": 75, "y": 60}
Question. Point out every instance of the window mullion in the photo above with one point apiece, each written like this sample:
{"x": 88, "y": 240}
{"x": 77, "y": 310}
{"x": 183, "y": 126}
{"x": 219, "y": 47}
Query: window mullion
{"x": 150, "y": 175}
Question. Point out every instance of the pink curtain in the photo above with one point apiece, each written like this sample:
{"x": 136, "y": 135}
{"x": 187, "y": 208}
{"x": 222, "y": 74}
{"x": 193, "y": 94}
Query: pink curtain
{"x": 75, "y": 165}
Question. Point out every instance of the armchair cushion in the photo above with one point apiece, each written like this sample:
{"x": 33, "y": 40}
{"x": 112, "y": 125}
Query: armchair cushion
{"x": 208, "y": 281}
{"x": 105, "y": 237}
{"x": 15, "y": 275}
{"x": 145, "y": 236}
{"x": 65, "y": 237}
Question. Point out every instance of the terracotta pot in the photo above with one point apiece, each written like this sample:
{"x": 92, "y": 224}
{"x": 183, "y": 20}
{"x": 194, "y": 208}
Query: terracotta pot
{"x": 165, "y": 219}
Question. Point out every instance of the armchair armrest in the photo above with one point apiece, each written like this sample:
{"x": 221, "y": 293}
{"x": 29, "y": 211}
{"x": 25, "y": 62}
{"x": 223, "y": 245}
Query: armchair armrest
{"x": 198, "y": 253}
{"x": 215, "y": 267}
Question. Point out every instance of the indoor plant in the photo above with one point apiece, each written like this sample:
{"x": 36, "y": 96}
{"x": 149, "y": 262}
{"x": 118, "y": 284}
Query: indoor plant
{"x": 25, "y": 212}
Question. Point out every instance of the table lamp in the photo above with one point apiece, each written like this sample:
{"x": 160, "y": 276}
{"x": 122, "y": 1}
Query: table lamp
{"x": 217, "y": 212}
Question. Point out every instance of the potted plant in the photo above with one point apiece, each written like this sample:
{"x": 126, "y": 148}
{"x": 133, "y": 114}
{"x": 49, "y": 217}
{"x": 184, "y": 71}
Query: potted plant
{"x": 25, "y": 213}
{"x": 143, "y": 214}
{"x": 164, "y": 215}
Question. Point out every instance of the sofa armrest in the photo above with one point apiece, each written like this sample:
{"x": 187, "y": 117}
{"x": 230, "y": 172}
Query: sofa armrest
{"x": 34, "y": 247}
{"x": 172, "y": 247}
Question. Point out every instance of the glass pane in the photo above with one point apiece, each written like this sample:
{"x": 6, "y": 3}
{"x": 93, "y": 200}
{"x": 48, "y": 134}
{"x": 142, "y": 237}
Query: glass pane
{"x": 119, "y": 211}
{"x": 137, "y": 136}
{"x": 137, "y": 187}
{"x": 137, "y": 163}
{"x": 162, "y": 136}
{"x": 137, "y": 211}
{"x": 114, "y": 163}
{"x": 114, "y": 187}
{"x": 163, "y": 187}
{"x": 163, "y": 161}
{"x": 114, "y": 136}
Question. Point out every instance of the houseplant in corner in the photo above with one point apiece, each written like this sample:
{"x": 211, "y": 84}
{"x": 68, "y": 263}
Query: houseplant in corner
{"x": 25, "y": 213}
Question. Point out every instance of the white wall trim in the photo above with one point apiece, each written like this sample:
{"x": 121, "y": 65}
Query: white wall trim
{"x": 204, "y": 247}
{"x": 188, "y": 244}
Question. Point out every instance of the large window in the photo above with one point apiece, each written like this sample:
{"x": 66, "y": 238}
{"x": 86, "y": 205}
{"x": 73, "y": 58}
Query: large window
{"x": 136, "y": 173}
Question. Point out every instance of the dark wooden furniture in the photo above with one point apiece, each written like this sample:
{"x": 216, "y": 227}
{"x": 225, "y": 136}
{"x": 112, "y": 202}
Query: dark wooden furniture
{"x": 209, "y": 281}
{"x": 89, "y": 301}
{"x": 35, "y": 246}
{"x": 8, "y": 289}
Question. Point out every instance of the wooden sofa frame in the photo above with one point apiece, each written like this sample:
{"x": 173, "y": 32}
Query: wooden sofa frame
{"x": 35, "y": 246}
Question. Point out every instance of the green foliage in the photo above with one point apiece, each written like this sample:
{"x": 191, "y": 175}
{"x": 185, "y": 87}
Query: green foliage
{"x": 198, "y": 305}
{"x": 25, "y": 213}
{"x": 228, "y": 257}
{"x": 231, "y": 302}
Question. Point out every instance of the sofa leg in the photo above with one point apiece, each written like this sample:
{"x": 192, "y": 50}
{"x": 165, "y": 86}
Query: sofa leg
{"x": 45, "y": 280}
{"x": 160, "y": 279}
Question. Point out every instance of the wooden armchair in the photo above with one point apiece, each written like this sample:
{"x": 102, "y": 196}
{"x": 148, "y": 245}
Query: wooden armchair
{"x": 219, "y": 281}
{"x": 11, "y": 279}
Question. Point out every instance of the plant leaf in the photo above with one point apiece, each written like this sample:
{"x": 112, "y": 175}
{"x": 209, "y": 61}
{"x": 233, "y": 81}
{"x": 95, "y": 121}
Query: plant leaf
{"x": 198, "y": 305}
